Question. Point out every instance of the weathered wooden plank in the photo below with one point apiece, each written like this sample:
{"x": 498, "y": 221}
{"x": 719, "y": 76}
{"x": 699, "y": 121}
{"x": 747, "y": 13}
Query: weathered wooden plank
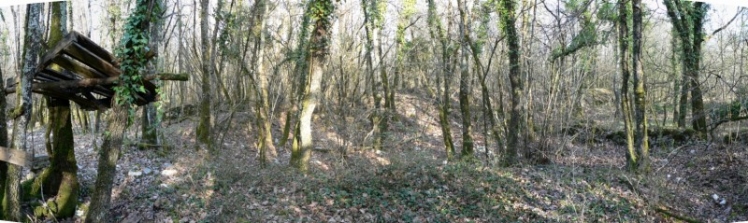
{"x": 77, "y": 51}
{"x": 58, "y": 75}
{"x": 96, "y": 49}
{"x": 15, "y": 156}
{"x": 50, "y": 55}
{"x": 77, "y": 67}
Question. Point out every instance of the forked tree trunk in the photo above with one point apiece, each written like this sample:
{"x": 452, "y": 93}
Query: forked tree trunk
{"x": 437, "y": 32}
{"x": 262, "y": 106}
{"x": 688, "y": 20}
{"x": 317, "y": 59}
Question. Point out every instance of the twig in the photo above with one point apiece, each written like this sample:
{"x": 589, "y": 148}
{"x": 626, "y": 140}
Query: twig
{"x": 667, "y": 212}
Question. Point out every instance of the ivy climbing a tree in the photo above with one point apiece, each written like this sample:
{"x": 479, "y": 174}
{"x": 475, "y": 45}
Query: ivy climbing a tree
{"x": 133, "y": 53}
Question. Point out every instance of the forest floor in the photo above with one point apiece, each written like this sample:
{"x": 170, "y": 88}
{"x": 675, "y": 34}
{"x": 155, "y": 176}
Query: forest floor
{"x": 409, "y": 181}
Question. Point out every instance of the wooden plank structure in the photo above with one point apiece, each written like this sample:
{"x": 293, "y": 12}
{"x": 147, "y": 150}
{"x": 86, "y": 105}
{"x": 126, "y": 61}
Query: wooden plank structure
{"x": 88, "y": 74}
{"x": 15, "y": 157}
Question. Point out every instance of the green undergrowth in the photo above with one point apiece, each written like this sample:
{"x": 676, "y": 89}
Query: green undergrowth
{"x": 419, "y": 190}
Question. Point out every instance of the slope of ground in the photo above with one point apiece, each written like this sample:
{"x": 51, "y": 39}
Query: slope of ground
{"x": 410, "y": 181}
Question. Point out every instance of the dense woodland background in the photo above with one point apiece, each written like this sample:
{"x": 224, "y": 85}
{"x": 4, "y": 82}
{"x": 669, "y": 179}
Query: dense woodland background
{"x": 387, "y": 111}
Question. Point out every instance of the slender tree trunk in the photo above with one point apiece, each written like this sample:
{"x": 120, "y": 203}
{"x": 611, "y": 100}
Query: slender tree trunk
{"x": 151, "y": 125}
{"x": 22, "y": 113}
{"x": 437, "y": 32}
{"x": 204, "y": 127}
{"x": 626, "y": 110}
{"x": 264, "y": 123}
{"x": 3, "y": 142}
{"x": 466, "y": 87}
{"x": 508, "y": 21}
{"x": 372, "y": 17}
{"x": 640, "y": 92}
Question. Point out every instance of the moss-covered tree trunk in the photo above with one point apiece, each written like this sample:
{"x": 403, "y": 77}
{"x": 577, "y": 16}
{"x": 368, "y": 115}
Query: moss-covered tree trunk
{"x": 59, "y": 181}
{"x": 466, "y": 86}
{"x": 437, "y": 32}
{"x": 3, "y": 142}
{"x": 688, "y": 19}
{"x": 107, "y": 169}
{"x": 203, "y": 128}
{"x": 373, "y": 19}
{"x": 517, "y": 112}
{"x": 319, "y": 11}
{"x": 151, "y": 123}
{"x": 640, "y": 91}
{"x": 623, "y": 46}
{"x": 22, "y": 113}
{"x": 262, "y": 106}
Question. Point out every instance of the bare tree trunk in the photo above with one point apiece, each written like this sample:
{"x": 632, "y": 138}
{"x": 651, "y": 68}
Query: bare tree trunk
{"x": 22, "y": 113}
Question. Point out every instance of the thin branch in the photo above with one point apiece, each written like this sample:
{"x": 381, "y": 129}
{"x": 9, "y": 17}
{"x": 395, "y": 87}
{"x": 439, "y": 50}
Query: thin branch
{"x": 730, "y": 22}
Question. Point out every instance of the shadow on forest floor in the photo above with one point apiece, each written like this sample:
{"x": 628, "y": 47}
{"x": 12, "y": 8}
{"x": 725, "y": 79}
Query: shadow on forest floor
{"x": 409, "y": 181}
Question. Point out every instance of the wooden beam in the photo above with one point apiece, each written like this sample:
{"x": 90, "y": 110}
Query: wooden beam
{"x": 78, "y": 67}
{"x": 78, "y": 52}
{"x": 15, "y": 156}
{"x": 95, "y": 49}
{"x": 64, "y": 86}
{"x": 51, "y": 54}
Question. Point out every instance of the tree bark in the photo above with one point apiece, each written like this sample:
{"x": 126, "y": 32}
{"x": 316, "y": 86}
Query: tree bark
{"x": 262, "y": 106}
{"x": 688, "y": 20}
{"x": 151, "y": 123}
{"x": 139, "y": 24}
{"x": 4, "y": 143}
{"x": 204, "y": 126}
{"x": 626, "y": 108}
{"x": 60, "y": 179}
{"x": 437, "y": 32}
{"x": 372, "y": 17}
{"x": 640, "y": 92}
{"x": 466, "y": 87}
{"x": 517, "y": 112}
{"x": 320, "y": 11}
{"x": 22, "y": 114}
